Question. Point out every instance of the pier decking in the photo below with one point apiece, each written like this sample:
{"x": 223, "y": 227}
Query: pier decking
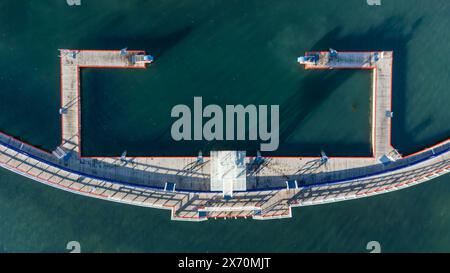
{"x": 381, "y": 64}
{"x": 71, "y": 63}
{"x": 259, "y": 190}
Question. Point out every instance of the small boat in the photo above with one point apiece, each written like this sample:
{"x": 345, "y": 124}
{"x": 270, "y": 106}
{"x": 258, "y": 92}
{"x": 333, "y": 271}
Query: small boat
{"x": 142, "y": 59}
{"x": 308, "y": 59}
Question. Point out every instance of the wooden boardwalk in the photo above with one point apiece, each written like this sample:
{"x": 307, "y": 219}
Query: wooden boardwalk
{"x": 141, "y": 181}
{"x": 187, "y": 174}
{"x": 73, "y": 60}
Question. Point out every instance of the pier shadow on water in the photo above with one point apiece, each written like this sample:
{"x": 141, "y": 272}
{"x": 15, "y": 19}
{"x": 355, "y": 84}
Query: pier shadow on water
{"x": 392, "y": 35}
{"x": 316, "y": 88}
{"x": 155, "y": 45}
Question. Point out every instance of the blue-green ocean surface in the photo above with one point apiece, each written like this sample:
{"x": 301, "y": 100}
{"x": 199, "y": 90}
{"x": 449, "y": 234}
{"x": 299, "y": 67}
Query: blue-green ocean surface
{"x": 228, "y": 52}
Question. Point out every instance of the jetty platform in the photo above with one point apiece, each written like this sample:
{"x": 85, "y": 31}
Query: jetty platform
{"x": 71, "y": 62}
{"x": 227, "y": 184}
{"x": 381, "y": 64}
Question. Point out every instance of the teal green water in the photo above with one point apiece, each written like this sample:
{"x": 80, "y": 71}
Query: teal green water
{"x": 229, "y": 52}
{"x": 122, "y": 111}
{"x": 39, "y": 218}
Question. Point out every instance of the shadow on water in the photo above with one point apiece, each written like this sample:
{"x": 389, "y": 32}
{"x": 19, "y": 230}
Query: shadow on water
{"x": 156, "y": 45}
{"x": 319, "y": 86}
{"x": 393, "y": 34}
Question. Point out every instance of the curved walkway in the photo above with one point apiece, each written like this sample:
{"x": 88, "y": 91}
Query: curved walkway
{"x": 264, "y": 203}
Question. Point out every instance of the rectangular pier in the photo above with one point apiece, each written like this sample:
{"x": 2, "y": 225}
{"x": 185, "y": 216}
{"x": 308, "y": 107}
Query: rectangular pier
{"x": 188, "y": 172}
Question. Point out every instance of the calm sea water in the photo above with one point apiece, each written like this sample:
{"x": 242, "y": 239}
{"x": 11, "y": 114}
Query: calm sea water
{"x": 229, "y": 52}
